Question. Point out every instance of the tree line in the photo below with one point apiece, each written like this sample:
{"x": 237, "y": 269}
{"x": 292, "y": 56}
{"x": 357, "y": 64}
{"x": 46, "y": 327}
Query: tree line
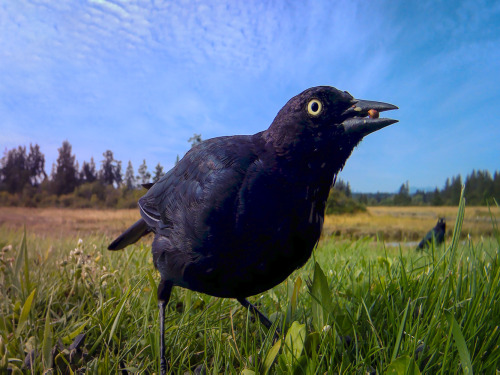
{"x": 24, "y": 182}
{"x": 481, "y": 188}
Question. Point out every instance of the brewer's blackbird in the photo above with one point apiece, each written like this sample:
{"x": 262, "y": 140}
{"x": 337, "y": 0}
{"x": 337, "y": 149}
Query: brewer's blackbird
{"x": 238, "y": 214}
{"x": 437, "y": 233}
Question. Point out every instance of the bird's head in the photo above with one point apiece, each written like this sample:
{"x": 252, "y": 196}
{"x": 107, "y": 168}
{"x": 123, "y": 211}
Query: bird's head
{"x": 326, "y": 118}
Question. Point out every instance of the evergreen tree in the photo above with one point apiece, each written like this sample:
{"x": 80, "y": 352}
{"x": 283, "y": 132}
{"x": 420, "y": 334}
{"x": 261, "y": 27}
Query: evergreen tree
{"x": 436, "y": 199}
{"x": 485, "y": 186}
{"x": 65, "y": 178}
{"x": 471, "y": 188}
{"x": 158, "y": 173}
{"x": 36, "y": 165}
{"x": 143, "y": 174}
{"x": 118, "y": 173}
{"x": 111, "y": 169}
{"x": 363, "y": 199}
{"x": 479, "y": 187}
{"x": 15, "y": 172}
{"x": 455, "y": 190}
{"x": 129, "y": 177}
{"x": 403, "y": 197}
{"x": 344, "y": 187}
{"x": 496, "y": 186}
{"x": 88, "y": 173}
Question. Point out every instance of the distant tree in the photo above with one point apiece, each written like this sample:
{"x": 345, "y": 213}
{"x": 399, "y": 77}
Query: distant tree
{"x": 36, "y": 165}
{"x": 479, "y": 187}
{"x": 195, "y": 139}
{"x": 496, "y": 186}
{"x": 77, "y": 168}
{"x": 176, "y": 159}
{"x": 14, "y": 170}
{"x": 158, "y": 173}
{"x": 420, "y": 198}
{"x": 88, "y": 172}
{"x": 445, "y": 193}
{"x": 64, "y": 178}
{"x": 129, "y": 177}
{"x": 343, "y": 186}
{"x": 436, "y": 199}
{"x": 455, "y": 191}
{"x": 339, "y": 203}
{"x": 363, "y": 199}
{"x": 402, "y": 198}
{"x": 111, "y": 170}
{"x": 143, "y": 174}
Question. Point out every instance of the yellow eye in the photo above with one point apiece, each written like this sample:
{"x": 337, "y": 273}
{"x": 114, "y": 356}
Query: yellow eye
{"x": 314, "y": 107}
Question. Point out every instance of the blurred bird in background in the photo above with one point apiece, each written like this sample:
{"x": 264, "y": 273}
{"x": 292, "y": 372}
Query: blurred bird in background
{"x": 437, "y": 233}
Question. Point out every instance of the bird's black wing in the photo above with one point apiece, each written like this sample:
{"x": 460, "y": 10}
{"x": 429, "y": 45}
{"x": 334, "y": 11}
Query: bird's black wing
{"x": 204, "y": 185}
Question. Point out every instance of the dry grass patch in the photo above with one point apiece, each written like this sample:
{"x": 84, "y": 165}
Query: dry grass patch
{"x": 64, "y": 222}
{"x": 392, "y": 223}
{"x": 408, "y": 223}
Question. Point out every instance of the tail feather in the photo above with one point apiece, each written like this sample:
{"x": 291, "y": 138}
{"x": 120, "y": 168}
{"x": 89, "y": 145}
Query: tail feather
{"x": 130, "y": 236}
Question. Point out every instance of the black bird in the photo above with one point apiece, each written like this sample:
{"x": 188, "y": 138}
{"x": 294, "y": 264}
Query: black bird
{"x": 437, "y": 233}
{"x": 238, "y": 214}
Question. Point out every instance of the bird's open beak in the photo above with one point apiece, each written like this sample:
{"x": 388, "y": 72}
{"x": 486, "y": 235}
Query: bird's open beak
{"x": 358, "y": 122}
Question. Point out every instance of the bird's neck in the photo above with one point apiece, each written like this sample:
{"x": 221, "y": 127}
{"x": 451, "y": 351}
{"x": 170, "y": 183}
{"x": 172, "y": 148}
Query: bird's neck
{"x": 315, "y": 153}
{"x": 311, "y": 161}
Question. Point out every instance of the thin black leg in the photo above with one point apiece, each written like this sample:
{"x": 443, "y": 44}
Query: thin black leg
{"x": 263, "y": 319}
{"x": 164, "y": 290}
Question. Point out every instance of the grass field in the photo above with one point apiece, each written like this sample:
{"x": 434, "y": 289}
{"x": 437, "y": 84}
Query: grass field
{"x": 390, "y": 223}
{"x": 357, "y": 306}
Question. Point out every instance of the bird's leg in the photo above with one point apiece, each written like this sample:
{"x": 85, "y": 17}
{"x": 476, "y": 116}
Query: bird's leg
{"x": 164, "y": 290}
{"x": 263, "y": 319}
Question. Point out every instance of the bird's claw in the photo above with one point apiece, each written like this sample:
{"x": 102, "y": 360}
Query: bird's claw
{"x": 163, "y": 366}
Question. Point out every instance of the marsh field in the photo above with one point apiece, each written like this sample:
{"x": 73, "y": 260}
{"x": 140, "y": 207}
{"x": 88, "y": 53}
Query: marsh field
{"x": 398, "y": 224}
{"x": 365, "y": 303}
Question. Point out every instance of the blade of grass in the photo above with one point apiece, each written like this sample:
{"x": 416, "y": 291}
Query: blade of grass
{"x": 457, "y": 229}
{"x": 463, "y": 351}
{"x": 494, "y": 223}
{"x": 23, "y": 318}
{"x": 24, "y": 249}
{"x": 116, "y": 321}
{"x": 447, "y": 347}
{"x": 47, "y": 340}
{"x": 295, "y": 295}
{"x": 372, "y": 326}
{"x": 67, "y": 339}
{"x": 400, "y": 332}
{"x": 271, "y": 356}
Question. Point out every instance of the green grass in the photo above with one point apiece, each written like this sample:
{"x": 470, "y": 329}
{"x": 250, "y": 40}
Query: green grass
{"x": 354, "y": 308}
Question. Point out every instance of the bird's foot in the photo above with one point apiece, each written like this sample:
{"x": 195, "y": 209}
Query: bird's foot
{"x": 163, "y": 366}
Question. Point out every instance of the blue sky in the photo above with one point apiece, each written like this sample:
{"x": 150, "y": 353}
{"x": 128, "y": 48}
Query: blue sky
{"x": 140, "y": 77}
